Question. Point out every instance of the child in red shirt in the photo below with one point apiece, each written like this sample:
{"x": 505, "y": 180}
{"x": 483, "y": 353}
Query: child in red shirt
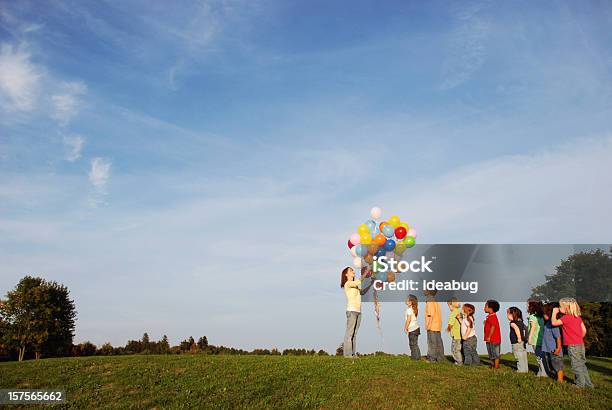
{"x": 492, "y": 333}
{"x": 574, "y": 331}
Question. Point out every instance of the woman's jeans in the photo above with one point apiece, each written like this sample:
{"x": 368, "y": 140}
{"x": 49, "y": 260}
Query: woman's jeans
{"x": 435, "y": 348}
{"x": 520, "y": 354}
{"x": 578, "y": 361}
{"x": 353, "y": 320}
{"x": 469, "y": 351}
{"x": 413, "y": 342}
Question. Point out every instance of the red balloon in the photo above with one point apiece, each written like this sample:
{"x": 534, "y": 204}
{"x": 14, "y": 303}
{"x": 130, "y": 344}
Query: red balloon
{"x": 350, "y": 244}
{"x": 400, "y": 232}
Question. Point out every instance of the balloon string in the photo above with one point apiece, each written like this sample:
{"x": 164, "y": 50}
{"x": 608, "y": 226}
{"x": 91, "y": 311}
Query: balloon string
{"x": 377, "y": 310}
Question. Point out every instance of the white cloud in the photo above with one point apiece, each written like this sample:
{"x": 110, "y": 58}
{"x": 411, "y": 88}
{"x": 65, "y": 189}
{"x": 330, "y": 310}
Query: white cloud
{"x": 66, "y": 103}
{"x": 19, "y": 79}
{"x": 99, "y": 173}
{"x": 73, "y": 145}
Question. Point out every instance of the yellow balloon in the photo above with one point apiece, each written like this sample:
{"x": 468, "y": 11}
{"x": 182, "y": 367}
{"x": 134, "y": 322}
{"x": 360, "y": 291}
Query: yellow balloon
{"x": 363, "y": 229}
{"x": 400, "y": 248}
{"x": 366, "y": 239}
{"x": 394, "y": 221}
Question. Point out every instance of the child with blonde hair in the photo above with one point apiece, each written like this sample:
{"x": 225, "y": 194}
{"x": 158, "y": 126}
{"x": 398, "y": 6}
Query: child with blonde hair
{"x": 573, "y": 330}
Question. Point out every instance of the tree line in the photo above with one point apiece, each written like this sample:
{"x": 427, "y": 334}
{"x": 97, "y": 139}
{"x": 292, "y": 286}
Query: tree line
{"x": 187, "y": 346}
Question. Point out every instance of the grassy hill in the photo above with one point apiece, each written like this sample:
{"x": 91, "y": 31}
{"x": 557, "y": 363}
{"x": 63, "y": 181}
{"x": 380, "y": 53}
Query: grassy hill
{"x": 311, "y": 382}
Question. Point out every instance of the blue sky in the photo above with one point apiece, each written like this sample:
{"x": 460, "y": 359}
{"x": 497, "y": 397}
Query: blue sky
{"x": 196, "y": 168}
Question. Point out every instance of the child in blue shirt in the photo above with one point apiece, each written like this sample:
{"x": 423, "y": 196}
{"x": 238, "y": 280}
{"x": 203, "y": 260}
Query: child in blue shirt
{"x": 551, "y": 344}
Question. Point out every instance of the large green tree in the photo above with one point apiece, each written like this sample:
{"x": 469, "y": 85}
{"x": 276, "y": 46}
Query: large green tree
{"x": 586, "y": 276}
{"x": 40, "y": 316}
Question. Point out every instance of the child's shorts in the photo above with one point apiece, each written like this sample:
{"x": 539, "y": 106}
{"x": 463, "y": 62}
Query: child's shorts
{"x": 556, "y": 362}
{"x": 493, "y": 350}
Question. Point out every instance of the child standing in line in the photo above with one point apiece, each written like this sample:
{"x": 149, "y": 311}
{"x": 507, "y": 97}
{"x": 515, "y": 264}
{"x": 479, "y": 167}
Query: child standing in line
{"x": 492, "y": 333}
{"x": 433, "y": 324}
{"x": 454, "y": 328}
{"x": 551, "y": 344}
{"x": 535, "y": 332}
{"x": 517, "y": 338}
{"x": 411, "y": 326}
{"x": 469, "y": 336}
{"x": 574, "y": 331}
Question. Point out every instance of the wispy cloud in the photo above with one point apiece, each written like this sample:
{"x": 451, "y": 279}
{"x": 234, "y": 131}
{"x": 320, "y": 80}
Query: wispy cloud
{"x": 19, "y": 79}
{"x": 67, "y": 101}
{"x": 99, "y": 174}
{"x": 73, "y": 145}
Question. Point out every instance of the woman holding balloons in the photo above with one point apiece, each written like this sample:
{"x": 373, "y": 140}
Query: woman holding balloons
{"x": 371, "y": 239}
{"x": 353, "y": 307}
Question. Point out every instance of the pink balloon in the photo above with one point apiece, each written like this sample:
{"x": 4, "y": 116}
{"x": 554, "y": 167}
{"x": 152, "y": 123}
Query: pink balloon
{"x": 355, "y": 239}
{"x": 412, "y": 232}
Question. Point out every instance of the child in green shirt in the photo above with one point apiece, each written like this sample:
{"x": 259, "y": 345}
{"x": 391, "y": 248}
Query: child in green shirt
{"x": 454, "y": 328}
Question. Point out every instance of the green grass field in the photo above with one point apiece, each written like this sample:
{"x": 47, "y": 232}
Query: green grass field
{"x": 198, "y": 381}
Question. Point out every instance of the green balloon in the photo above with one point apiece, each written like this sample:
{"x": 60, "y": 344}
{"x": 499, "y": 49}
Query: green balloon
{"x": 409, "y": 241}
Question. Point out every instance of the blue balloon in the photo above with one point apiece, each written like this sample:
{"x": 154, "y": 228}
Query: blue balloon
{"x": 382, "y": 276}
{"x": 371, "y": 224}
{"x": 362, "y": 250}
{"x": 381, "y": 251}
{"x": 388, "y": 231}
{"x": 390, "y": 244}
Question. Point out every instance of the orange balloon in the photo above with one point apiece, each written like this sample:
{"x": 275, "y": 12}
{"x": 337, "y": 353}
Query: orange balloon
{"x": 380, "y": 239}
{"x": 390, "y": 276}
{"x": 382, "y": 225}
{"x": 372, "y": 248}
{"x": 369, "y": 258}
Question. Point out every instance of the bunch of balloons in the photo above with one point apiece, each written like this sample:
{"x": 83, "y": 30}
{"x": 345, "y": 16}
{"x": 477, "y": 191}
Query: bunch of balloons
{"x": 377, "y": 239}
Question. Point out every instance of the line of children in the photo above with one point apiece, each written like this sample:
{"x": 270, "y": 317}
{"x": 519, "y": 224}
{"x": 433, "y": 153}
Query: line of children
{"x": 542, "y": 333}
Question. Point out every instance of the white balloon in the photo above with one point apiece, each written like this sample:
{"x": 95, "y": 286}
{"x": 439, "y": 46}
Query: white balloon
{"x": 357, "y": 262}
{"x": 376, "y": 212}
{"x": 354, "y": 251}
